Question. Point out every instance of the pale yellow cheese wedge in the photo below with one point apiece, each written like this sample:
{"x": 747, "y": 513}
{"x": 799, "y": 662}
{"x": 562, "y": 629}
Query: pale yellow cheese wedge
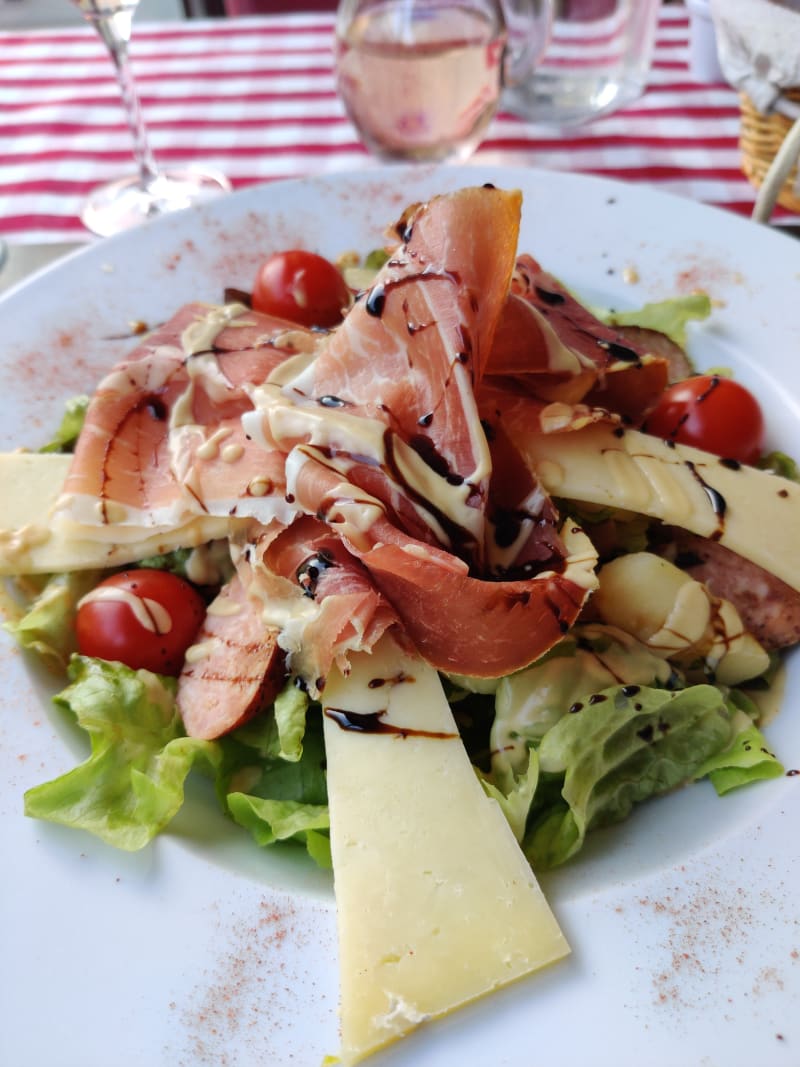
{"x": 29, "y": 485}
{"x": 436, "y": 903}
{"x": 33, "y": 542}
{"x": 754, "y": 513}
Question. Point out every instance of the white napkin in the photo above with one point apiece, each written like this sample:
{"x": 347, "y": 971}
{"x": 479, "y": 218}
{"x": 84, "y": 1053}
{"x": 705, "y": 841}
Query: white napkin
{"x": 759, "y": 46}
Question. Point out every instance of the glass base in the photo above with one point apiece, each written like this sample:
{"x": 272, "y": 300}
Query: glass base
{"x": 125, "y": 203}
{"x": 565, "y": 99}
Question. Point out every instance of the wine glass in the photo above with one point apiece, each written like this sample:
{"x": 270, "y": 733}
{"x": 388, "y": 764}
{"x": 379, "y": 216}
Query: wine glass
{"x": 151, "y": 191}
{"x": 421, "y": 79}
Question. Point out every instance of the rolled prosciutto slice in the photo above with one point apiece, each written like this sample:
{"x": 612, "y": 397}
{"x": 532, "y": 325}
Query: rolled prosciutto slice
{"x": 460, "y": 622}
{"x": 308, "y": 581}
{"x": 385, "y": 445}
{"x": 390, "y": 394}
{"x": 163, "y": 439}
{"x": 550, "y": 344}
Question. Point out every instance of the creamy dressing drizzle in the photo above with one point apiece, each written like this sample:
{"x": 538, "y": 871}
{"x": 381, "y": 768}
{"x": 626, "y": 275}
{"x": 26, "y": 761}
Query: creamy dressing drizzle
{"x": 344, "y": 440}
{"x": 186, "y": 439}
{"x": 559, "y": 357}
{"x": 210, "y": 447}
{"x": 352, "y": 515}
{"x": 260, "y": 486}
{"x": 80, "y": 516}
{"x": 223, "y": 606}
{"x": 209, "y": 564}
{"x": 146, "y": 375}
{"x": 289, "y": 616}
{"x": 201, "y": 334}
{"x": 232, "y": 452}
{"x": 16, "y": 543}
{"x": 202, "y": 650}
{"x": 150, "y": 615}
{"x": 502, "y": 558}
{"x": 283, "y": 418}
{"x": 281, "y": 602}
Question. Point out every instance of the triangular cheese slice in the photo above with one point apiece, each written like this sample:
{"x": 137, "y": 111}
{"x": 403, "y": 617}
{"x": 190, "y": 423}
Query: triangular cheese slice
{"x": 436, "y": 903}
{"x": 753, "y": 512}
{"x": 33, "y": 541}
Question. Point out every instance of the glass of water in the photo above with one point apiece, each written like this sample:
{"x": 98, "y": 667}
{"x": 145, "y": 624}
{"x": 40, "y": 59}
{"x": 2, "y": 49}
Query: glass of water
{"x": 598, "y": 60}
{"x": 421, "y": 79}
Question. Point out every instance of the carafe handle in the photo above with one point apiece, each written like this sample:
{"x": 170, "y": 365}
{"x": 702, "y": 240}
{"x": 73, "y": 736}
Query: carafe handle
{"x": 529, "y": 24}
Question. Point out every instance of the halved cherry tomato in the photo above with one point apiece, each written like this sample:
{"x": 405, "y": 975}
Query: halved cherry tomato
{"x": 301, "y": 287}
{"x": 710, "y": 412}
{"x": 142, "y": 618}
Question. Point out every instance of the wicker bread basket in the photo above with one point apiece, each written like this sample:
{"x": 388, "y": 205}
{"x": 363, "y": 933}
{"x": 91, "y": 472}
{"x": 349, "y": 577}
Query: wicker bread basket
{"x": 760, "y": 139}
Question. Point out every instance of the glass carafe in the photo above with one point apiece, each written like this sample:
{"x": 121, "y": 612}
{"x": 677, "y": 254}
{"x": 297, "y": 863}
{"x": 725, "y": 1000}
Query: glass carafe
{"x": 421, "y": 79}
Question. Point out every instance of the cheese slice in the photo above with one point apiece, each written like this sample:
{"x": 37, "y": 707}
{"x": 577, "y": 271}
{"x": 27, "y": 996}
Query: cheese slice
{"x": 32, "y": 541}
{"x": 753, "y": 512}
{"x": 436, "y": 903}
{"x": 29, "y": 486}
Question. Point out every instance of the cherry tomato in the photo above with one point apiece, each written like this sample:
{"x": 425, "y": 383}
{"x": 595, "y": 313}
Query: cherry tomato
{"x": 713, "y": 413}
{"x": 142, "y": 618}
{"x": 301, "y": 287}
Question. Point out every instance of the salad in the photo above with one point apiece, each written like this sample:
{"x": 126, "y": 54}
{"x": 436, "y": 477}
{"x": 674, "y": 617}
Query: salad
{"x": 239, "y": 461}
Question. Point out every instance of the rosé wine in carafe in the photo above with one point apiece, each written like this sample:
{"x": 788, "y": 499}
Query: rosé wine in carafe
{"x": 420, "y": 80}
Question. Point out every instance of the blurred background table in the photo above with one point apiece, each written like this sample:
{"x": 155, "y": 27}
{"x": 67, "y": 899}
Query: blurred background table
{"x": 255, "y": 97}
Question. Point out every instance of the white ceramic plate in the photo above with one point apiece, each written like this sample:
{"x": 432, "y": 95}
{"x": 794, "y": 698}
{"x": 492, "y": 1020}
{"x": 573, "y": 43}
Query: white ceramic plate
{"x": 204, "y": 949}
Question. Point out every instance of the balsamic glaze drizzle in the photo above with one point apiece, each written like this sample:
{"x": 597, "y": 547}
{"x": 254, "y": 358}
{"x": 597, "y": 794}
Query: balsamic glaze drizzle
{"x": 371, "y": 722}
{"x": 310, "y": 571}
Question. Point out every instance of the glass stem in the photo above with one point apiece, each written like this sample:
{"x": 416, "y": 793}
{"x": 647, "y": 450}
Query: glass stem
{"x": 115, "y": 30}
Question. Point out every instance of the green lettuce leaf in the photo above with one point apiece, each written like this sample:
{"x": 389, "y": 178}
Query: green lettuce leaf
{"x": 174, "y": 561}
{"x": 457, "y": 686}
{"x": 514, "y": 793}
{"x": 205, "y": 565}
{"x": 132, "y": 784}
{"x": 746, "y": 759}
{"x": 71, "y": 425}
{"x": 530, "y": 702}
{"x": 375, "y": 259}
{"x": 670, "y": 317}
{"x": 630, "y": 531}
{"x": 620, "y": 747}
{"x": 47, "y": 627}
{"x": 291, "y": 706}
{"x": 781, "y": 464}
{"x": 278, "y": 736}
{"x": 284, "y": 820}
{"x": 278, "y": 795}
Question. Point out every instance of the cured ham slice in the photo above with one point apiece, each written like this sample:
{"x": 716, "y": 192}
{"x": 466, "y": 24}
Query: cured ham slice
{"x": 390, "y": 393}
{"x": 411, "y": 349}
{"x": 384, "y": 444}
{"x": 557, "y": 349}
{"x": 457, "y": 621}
{"x": 163, "y": 439}
{"x": 361, "y": 459}
{"x": 518, "y": 415}
{"x": 343, "y": 611}
{"x": 476, "y": 627}
{"x": 233, "y": 670}
{"x": 303, "y": 582}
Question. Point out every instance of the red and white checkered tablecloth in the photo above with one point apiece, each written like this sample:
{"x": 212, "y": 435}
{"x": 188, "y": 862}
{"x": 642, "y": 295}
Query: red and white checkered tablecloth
{"x": 256, "y": 99}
